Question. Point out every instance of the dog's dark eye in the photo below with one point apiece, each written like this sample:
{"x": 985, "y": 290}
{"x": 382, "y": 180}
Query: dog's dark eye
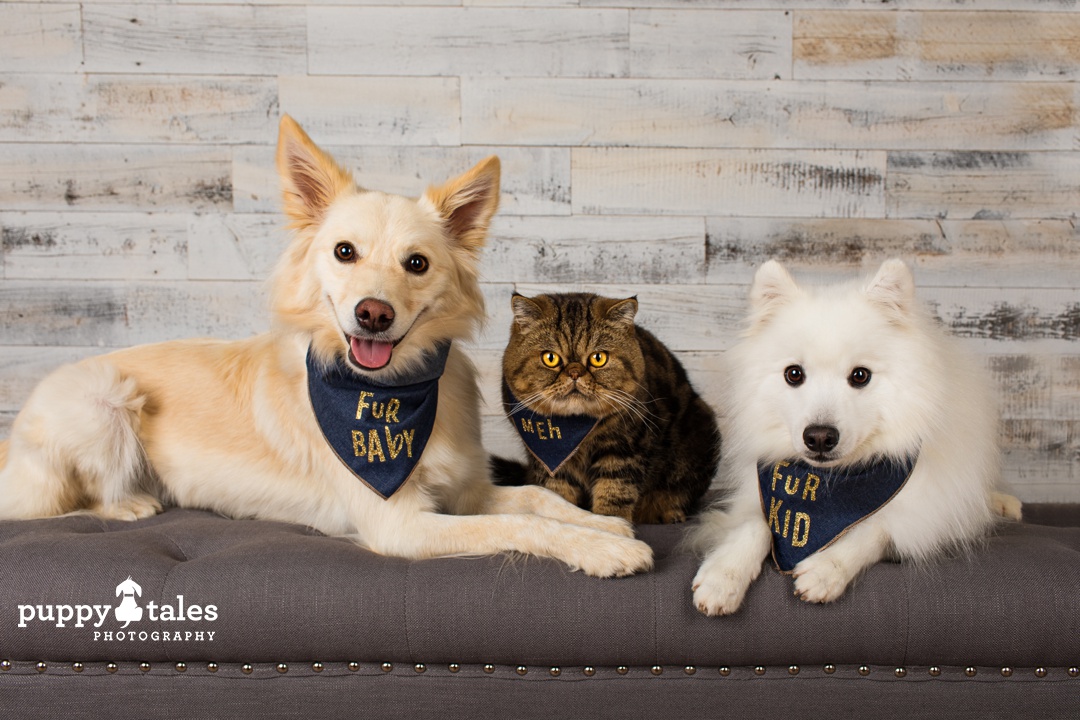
{"x": 416, "y": 264}
{"x": 345, "y": 252}
{"x": 794, "y": 375}
{"x": 859, "y": 377}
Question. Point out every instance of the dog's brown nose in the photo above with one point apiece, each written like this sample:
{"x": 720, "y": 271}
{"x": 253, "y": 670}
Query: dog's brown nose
{"x": 374, "y": 315}
{"x": 820, "y": 438}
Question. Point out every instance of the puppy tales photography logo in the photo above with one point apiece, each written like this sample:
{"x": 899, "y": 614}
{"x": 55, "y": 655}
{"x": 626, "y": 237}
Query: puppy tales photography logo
{"x": 128, "y": 621}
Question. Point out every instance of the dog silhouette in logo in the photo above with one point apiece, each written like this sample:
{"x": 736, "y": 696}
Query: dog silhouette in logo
{"x": 127, "y": 611}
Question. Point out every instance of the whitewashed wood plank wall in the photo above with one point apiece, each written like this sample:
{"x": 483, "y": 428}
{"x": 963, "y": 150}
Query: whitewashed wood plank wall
{"x": 663, "y": 148}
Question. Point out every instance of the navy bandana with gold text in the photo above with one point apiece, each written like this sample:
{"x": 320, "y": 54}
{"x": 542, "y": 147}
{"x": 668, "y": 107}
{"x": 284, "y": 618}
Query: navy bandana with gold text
{"x": 551, "y": 440}
{"x": 807, "y": 507}
{"x": 379, "y": 432}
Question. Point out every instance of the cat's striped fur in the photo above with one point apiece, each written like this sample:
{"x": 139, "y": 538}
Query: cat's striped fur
{"x": 656, "y": 447}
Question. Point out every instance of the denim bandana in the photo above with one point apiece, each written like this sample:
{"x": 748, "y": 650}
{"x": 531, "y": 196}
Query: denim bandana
{"x": 551, "y": 440}
{"x": 378, "y": 431}
{"x": 807, "y": 508}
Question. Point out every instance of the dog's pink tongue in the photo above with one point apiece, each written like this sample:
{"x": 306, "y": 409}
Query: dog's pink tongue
{"x": 371, "y": 354}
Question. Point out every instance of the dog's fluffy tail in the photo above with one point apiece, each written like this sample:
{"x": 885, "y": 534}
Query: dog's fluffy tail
{"x": 507, "y": 472}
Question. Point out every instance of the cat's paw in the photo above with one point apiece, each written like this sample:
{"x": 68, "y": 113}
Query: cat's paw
{"x": 819, "y": 579}
{"x": 1007, "y": 506}
{"x": 719, "y": 591}
{"x": 615, "y": 556}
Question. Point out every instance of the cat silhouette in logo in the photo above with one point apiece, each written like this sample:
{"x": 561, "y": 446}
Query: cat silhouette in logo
{"x": 127, "y": 611}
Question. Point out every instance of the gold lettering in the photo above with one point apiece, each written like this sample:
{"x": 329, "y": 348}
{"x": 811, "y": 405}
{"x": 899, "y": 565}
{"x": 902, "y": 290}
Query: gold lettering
{"x": 393, "y": 443}
{"x": 374, "y": 446}
{"x": 527, "y": 426}
{"x": 377, "y": 410}
{"x": 408, "y": 435}
{"x": 540, "y": 431}
{"x": 796, "y": 539}
{"x": 788, "y": 487}
{"x": 811, "y": 486}
{"x": 776, "y": 473}
{"x": 774, "y": 513}
{"x": 787, "y": 521}
{"x": 391, "y": 410}
{"x": 364, "y": 394}
{"x": 553, "y": 431}
{"x": 358, "y": 443}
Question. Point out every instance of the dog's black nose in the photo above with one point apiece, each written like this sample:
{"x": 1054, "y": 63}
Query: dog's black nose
{"x": 374, "y": 315}
{"x": 820, "y": 438}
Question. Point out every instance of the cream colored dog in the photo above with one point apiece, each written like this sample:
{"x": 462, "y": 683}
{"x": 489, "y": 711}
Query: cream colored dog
{"x": 373, "y": 284}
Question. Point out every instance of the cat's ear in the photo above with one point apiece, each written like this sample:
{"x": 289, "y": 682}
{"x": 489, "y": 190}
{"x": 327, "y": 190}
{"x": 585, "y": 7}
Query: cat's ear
{"x": 526, "y": 311}
{"x": 893, "y": 287}
{"x": 773, "y": 288}
{"x": 623, "y": 311}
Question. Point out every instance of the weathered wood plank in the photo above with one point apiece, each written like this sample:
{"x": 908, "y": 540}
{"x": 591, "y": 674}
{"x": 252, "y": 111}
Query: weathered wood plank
{"x": 937, "y": 45}
{"x": 137, "y": 108}
{"x": 788, "y": 183}
{"x": 585, "y": 249}
{"x": 195, "y": 39}
{"x": 118, "y": 314}
{"x": 37, "y": 176}
{"x": 707, "y": 113}
{"x": 375, "y": 110}
{"x": 23, "y": 367}
{"x": 468, "y": 41}
{"x": 710, "y": 43}
{"x": 234, "y": 247}
{"x": 982, "y": 185}
{"x": 535, "y": 181}
{"x": 860, "y": 5}
{"x": 38, "y": 37}
{"x": 98, "y": 246}
{"x": 986, "y": 253}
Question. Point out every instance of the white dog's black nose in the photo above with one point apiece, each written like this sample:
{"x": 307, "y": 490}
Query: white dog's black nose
{"x": 820, "y": 438}
{"x": 374, "y": 315}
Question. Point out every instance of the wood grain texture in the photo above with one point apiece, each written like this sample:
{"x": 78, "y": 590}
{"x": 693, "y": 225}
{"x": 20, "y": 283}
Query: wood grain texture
{"x": 235, "y": 246}
{"x": 39, "y": 37}
{"x": 707, "y": 114}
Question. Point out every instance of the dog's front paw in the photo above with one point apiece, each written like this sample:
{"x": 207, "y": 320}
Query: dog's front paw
{"x": 615, "y": 556}
{"x": 819, "y": 579}
{"x": 133, "y": 507}
{"x": 610, "y": 524}
{"x": 1007, "y": 506}
{"x": 718, "y": 591}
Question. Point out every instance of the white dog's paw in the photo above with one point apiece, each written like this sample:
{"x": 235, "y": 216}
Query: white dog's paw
{"x": 819, "y": 579}
{"x": 614, "y": 556}
{"x": 718, "y": 591}
{"x": 609, "y": 524}
{"x": 1007, "y": 506}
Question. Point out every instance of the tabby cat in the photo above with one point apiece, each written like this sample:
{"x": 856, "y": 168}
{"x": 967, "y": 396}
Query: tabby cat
{"x": 606, "y": 411}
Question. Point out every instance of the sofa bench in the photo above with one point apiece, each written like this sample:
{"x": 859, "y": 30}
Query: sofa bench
{"x": 244, "y": 618}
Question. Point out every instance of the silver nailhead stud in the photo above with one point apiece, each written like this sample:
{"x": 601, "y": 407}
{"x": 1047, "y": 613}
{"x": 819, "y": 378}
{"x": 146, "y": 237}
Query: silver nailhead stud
{"x": 793, "y": 669}
{"x": 1040, "y": 672}
{"x": 1074, "y": 672}
{"x": 970, "y": 671}
{"x": 42, "y": 667}
{"x": 387, "y": 667}
{"x": 622, "y": 669}
{"x": 656, "y": 670}
{"x": 419, "y": 667}
{"x": 589, "y": 671}
{"x": 454, "y": 667}
{"x": 555, "y": 672}
{"x": 5, "y": 665}
{"x": 181, "y": 667}
{"x": 246, "y": 669}
{"x": 489, "y": 668}
{"x": 282, "y": 668}
{"x": 354, "y": 666}
{"x": 1006, "y": 672}
{"x": 521, "y": 670}
{"x": 935, "y": 671}
{"x": 900, "y": 672}
{"x": 317, "y": 666}
{"x": 725, "y": 671}
{"x": 144, "y": 666}
{"x": 111, "y": 667}
{"x": 864, "y": 670}
{"x": 689, "y": 669}
{"x": 77, "y": 667}
{"x": 829, "y": 669}
{"x": 759, "y": 670}
{"x": 211, "y": 667}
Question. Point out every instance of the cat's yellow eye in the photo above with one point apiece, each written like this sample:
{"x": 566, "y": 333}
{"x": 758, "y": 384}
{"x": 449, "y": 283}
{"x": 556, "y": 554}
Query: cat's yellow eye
{"x": 598, "y": 359}
{"x": 550, "y": 359}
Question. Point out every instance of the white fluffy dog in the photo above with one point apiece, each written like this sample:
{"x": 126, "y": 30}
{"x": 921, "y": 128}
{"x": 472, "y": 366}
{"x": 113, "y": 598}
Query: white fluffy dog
{"x": 858, "y": 430}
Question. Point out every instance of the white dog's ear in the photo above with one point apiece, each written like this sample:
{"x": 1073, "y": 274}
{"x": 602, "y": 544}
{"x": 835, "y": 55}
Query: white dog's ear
{"x": 893, "y": 287}
{"x": 526, "y": 311}
{"x": 773, "y": 287}
{"x": 468, "y": 202}
{"x": 310, "y": 179}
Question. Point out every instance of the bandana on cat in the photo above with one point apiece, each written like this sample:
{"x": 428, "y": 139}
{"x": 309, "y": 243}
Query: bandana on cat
{"x": 807, "y": 508}
{"x": 551, "y": 440}
{"x": 378, "y": 431}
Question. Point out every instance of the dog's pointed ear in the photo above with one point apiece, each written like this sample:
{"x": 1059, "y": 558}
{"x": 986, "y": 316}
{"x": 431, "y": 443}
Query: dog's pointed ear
{"x": 893, "y": 287}
{"x": 773, "y": 286}
{"x": 622, "y": 312}
{"x": 310, "y": 179}
{"x": 468, "y": 202}
{"x": 526, "y": 311}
